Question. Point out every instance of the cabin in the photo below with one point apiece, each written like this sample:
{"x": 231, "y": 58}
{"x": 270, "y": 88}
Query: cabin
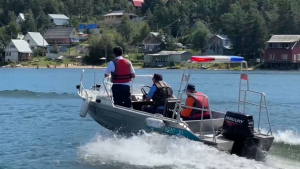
{"x": 63, "y": 36}
{"x": 35, "y": 40}
{"x": 166, "y": 58}
{"x": 151, "y": 43}
{"x": 218, "y": 45}
{"x": 116, "y": 16}
{"x": 17, "y": 51}
{"x": 58, "y": 19}
{"x": 282, "y": 52}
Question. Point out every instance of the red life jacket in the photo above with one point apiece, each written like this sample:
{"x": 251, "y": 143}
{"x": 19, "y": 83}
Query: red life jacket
{"x": 122, "y": 73}
{"x": 196, "y": 114}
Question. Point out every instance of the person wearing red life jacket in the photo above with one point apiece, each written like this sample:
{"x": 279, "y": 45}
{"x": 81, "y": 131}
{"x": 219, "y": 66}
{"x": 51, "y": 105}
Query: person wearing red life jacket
{"x": 122, "y": 72}
{"x": 195, "y": 99}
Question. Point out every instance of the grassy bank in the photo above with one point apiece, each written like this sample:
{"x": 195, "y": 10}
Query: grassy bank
{"x": 42, "y": 62}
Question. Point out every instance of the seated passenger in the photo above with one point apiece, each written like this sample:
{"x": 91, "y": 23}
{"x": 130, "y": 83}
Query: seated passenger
{"x": 194, "y": 99}
{"x": 159, "y": 92}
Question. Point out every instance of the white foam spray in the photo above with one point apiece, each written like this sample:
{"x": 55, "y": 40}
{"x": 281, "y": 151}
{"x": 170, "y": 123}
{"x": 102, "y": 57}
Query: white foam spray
{"x": 155, "y": 150}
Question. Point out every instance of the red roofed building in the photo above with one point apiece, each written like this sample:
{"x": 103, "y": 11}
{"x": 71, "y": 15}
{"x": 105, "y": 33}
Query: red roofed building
{"x": 283, "y": 51}
{"x": 137, "y": 3}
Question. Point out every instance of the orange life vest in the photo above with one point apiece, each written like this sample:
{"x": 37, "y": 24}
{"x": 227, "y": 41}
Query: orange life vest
{"x": 198, "y": 97}
{"x": 122, "y": 73}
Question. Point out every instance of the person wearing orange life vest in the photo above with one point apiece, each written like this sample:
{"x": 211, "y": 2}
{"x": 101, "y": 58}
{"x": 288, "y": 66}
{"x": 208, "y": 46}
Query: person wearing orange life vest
{"x": 195, "y": 99}
{"x": 121, "y": 71}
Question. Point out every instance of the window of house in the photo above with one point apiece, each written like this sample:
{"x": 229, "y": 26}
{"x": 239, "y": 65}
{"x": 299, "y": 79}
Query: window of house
{"x": 32, "y": 48}
{"x": 286, "y": 45}
{"x": 298, "y": 57}
{"x": 270, "y": 45}
{"x": 284, "y": 56}
{"x": 28, "y": 41}
{"x": 271, "y": 56}
{"x": 12, "y": 46}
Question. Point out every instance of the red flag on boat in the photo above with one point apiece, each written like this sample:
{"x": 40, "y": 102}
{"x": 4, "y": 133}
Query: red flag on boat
{"x": 244, "y": 76}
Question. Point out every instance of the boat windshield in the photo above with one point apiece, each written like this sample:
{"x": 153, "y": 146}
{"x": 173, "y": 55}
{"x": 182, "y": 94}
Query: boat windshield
{"x": 137, "y": 83}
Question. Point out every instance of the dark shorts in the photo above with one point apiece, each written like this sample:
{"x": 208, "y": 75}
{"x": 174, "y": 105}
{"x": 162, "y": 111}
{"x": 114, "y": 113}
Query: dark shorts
{"x": 151, "y": 109}
{"x": 121, "y": 94}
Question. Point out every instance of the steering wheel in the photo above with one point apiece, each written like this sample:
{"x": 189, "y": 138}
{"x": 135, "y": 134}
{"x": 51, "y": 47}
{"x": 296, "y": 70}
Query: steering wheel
{"x": 144, "y": 92}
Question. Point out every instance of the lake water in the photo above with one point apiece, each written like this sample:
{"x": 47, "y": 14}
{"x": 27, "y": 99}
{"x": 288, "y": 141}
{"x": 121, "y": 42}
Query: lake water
{"x": 41, "y": 127}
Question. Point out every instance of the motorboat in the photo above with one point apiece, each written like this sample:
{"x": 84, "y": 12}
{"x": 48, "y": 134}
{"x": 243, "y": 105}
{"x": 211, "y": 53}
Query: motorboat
{"x": 230, "y": 131}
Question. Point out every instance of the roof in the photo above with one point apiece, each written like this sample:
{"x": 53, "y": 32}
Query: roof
{"x": 153, "y": 38}
{"x": 81, "y": 26}
{"x": 284, "y": 38}
{"x": 22, "y": 16}
{"x": 225, "y": 41}
{"x": 58, "y": 32}
{"x": 137, "y": 3}
{"x": 168, "y": 53}
{"x": 58, "y": 16}
{"x": 22, "y": 46}
{"x": 154, "y": 33}
{"x": 38, "y": 38}
{"x": 91, "y": 26}
{"x": 120, "y": 12}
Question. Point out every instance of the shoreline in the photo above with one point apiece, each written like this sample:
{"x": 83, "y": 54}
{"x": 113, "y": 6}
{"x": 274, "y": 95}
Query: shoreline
{"x": 138, "y": 67}
{"x": 100, "y": 67}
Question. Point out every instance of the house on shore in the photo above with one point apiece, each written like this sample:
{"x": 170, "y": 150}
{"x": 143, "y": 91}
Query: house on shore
{"x": 17, "y": 51}
{"x": 58, "y": 19}
{"x": 35, "y": 40}
{"x": 166, "y": 58}
{"x": 116, "y": 16}
{"x": 218, "y": 45}
{"x": 282, "y": 52}
{"x": 151, "y": 44}
{"x": 64, "y": 36}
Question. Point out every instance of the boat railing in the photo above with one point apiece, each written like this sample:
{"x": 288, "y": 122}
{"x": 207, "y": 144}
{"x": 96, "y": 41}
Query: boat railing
{"x": 179, "y": 107}
{"x": 244, "y": 101}
{"x": 81, "y": 88}
{"x": 262, "y": 105}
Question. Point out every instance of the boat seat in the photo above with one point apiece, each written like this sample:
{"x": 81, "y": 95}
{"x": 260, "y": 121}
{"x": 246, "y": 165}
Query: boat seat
{"x": 169, "y": 107}
{"x": 137, "y": 105}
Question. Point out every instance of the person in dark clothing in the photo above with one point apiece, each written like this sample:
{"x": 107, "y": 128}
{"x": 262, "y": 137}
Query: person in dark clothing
{"x": 159, "y": 92}
{"x": 121, "y": 71}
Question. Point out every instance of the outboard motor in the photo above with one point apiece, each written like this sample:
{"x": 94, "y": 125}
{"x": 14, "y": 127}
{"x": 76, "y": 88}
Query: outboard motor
{"x": 240, "y": 128}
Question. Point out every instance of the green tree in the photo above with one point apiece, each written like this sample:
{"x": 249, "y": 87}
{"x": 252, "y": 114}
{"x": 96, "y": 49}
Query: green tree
{"x": 126, "y": 28}
{"x": 29, "y": 25}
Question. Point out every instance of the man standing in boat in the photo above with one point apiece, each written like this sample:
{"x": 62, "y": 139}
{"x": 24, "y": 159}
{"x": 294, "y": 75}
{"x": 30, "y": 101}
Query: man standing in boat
{"x": 195, "y": 99}
{"x": 159, "y": 92}
{"x": 121, "y": 71}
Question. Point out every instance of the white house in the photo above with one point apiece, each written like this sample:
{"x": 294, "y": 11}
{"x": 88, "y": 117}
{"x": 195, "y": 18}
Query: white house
{"x": 20, "y": 19}
{"x": 17, "y": 51}
{"x": 59, "y": 19}
{"x": 152, "y": 42}
{"x": 35, "y": 40}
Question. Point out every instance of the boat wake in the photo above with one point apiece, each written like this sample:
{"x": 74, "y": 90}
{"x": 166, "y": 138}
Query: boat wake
{"x": 159, "y": 151}
{"x": 30, "y": 94}
{"x": 287, "y": 137}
